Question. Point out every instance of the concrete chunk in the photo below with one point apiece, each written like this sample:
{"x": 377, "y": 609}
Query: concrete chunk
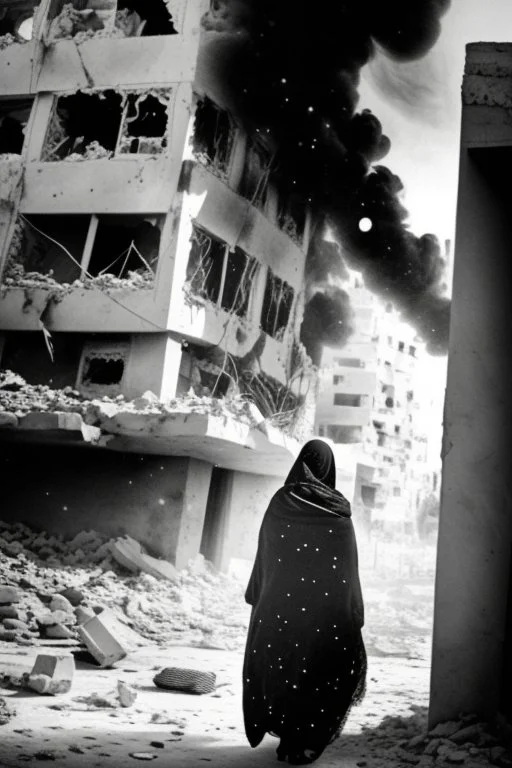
{"x": 52, "y": 674}
{"x": 99, "y": 635}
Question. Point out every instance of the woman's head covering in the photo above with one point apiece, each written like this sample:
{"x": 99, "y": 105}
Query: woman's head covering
{"x": 317, "y": 459}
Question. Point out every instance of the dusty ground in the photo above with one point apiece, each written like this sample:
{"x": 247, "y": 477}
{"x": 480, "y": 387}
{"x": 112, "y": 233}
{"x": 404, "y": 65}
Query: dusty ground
{"x": 197, "y": 729}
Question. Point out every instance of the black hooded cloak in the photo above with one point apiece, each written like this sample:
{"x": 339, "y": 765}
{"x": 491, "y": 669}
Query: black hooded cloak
{"x": 305, "y": 662}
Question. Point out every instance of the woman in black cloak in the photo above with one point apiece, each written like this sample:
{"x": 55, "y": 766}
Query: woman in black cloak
{"x": 305, "y": 661}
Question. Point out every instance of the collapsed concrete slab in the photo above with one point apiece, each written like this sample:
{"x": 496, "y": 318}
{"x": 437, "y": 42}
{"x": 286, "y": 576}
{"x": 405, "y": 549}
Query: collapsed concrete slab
{"x": 99, "y": 635}
{"x": 52, "y": 674}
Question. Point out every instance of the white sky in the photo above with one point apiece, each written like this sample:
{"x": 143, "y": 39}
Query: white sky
{"x": 425, "y": 132}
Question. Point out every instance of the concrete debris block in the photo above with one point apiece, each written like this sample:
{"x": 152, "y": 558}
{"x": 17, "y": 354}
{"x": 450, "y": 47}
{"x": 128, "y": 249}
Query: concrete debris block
{"x": 58, "y": 632}
{"x": 129, "y": 553}
{"x": 99, "y": 635}
{"x": 8, "y": 635}
{"x": 61, "y": 603}
{"x": 52, "y": 674}
{"x": 9, "y": 594}
{"x": 447, "y": 729}
{"x": 126, "y": 694}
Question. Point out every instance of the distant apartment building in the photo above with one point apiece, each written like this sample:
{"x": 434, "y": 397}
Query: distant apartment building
{"x": 146, "y": 234}
{"x": 367, "y": 401}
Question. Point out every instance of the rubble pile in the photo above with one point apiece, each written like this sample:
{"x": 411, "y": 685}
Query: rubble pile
{"x": 20, "y": 398}
{"x": 52, "y": 581}
{"x": 467, "y": 742}
{"x": 15, "y": 276}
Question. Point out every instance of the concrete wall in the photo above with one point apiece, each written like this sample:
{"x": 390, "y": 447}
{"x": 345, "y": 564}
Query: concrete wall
{"x": 476, "y": 524}
{"x": 160, "y": 501}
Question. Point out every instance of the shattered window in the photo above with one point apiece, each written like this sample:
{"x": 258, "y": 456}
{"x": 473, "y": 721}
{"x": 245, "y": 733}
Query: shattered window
{"x": 145, "y": 124}
{"x": 291, "y": 215}
{"x": 140, "y": 18}
{"x": 84, "y": 126}
{"x": 221, "y": 276}
{"x": 255, "y": 177}
{"x": 16, "y": 22}
{"x": 277, "y": 304}
{"x": 205, "y": 265}
{"x": 14, "y": 116}
{"x": 125, "y": 243}
{"x": 103, "y": 365}
{"x": 52, "y": 245}
{"x": 240, "y": 274}
{"x": 213, "y": 135}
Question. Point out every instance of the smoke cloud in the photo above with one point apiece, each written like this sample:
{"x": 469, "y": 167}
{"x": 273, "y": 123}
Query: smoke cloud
{"x": 293, "y": 70}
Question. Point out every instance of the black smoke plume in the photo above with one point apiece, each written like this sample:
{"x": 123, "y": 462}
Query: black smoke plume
{"x": 292, "y": 69}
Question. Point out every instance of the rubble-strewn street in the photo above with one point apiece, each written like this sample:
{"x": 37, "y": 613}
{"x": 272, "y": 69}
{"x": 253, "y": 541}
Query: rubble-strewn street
{"x": 196, "y": 620}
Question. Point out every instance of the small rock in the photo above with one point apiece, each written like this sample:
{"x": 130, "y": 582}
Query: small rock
{"x": 161, "y": 745}
{"x": 77, "y": 750}
{"x": 432, "y": 746}
{"x": 416, "y": 741}
{"x": 469, "y": 733}
{"x": 143, "y": 755}
{"x": 8, "y": 635}
{"x": 458, "y": 756}
{"x": 44, "y": 754}
{"x": 15, "y": 624}
{"x": 126, "y": 694}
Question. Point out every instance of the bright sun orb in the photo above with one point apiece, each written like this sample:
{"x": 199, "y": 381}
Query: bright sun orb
{"x": 365, "y": 224}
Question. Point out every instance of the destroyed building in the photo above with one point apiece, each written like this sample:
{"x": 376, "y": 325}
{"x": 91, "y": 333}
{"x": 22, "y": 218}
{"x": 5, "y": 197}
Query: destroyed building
{"x": 472, "y": 642}
{"x": 151, "y": 290}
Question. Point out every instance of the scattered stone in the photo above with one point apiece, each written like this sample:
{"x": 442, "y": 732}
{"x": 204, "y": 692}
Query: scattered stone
{"x": 8, "y": 612}
{"x": 458, "y": 756}
{"x": 58, "y": 632}
{"x": 445, "y": 730}
{"x": 161, "y": 745}
{"x": 60, "y": 603}
{"x": 469, "y": 733}
{"x": 77, "y": 750}
{"x": 126, "y": 694}
{"x": 6, "y": 713}
{"x": 143, "y": 755}
{"x": 9, "y": 594}
{"x": 416, "y": 741}
{"x": 73, "y": 595}
{"x": 14, "y": 624}
{"x": 8, "y": 635}
{"x": 44, "y": 754}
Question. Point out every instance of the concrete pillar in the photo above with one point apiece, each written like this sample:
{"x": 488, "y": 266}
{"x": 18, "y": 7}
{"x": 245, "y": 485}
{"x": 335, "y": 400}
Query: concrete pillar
{"x": 195, "y": 497}
{"x": 153, "y": 364}
{"x": 475, "y": 521}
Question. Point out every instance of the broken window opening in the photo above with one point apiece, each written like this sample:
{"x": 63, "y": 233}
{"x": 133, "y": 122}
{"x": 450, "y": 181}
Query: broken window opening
{"x": 277, "y": 304}
{"x": 213, "y": 136}
{"x": 343, "y": 434}
{"x": 81, "y": 19}
{"x": 140, "y": 18}
{"x": 214, "y": 383}
{"x": 124, "y": 244}
{"x": 84, "y": 126}
{"x": 103, "y": 370}
{"x": 205, "y": 265}
{"x": 239, "y": 278}
{"x": 291, "y": 215}
{"x": 144, "y": 124}
{"x": 16, "y": 22}
{"x": 256, "y": 173}
{"x": 51, "y": 245}
{"x": 14, "y": 116}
